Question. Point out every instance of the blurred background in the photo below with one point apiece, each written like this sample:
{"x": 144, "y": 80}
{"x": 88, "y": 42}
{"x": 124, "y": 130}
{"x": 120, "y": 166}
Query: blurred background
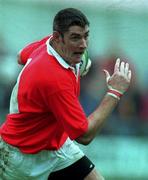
{"x": 117, "y": 29}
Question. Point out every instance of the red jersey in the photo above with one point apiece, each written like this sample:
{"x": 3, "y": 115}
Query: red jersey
{"x": 44, "y": 105}
{"x": 28, "y": 50}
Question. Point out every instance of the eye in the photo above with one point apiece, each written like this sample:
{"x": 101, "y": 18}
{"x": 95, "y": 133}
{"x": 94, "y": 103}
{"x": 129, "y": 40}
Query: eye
{"x": 86, "y": 37}
{"x": 75, "y": 38}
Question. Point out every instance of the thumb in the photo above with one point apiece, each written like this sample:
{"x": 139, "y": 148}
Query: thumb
{"x": 107, "y": 75}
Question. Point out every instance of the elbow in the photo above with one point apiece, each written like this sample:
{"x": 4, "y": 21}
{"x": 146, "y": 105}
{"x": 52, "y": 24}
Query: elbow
{"x": 87, "y": 137}
{"x": 85, "y": 143}
{"x": 84, "y": 140}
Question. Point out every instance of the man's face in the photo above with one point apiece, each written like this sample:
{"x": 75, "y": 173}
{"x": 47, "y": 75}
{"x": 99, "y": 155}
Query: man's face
{"x": 73, "y": 44}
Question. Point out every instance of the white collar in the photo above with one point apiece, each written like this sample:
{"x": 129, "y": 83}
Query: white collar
{"x": 63, "y": 63}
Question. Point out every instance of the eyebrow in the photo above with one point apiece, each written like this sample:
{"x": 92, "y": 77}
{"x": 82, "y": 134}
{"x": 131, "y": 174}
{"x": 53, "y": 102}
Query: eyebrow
{"x": 77, "y": 34}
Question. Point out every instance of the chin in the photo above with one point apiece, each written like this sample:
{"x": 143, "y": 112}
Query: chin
{"x": 78, "y": 60}
{"x": 75, "y": 61}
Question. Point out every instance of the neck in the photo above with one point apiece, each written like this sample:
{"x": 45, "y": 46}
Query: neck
{"x": 56, "y": 47}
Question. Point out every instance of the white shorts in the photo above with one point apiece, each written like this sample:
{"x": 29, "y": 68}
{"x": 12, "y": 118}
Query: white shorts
{"x": 15, "y": 165}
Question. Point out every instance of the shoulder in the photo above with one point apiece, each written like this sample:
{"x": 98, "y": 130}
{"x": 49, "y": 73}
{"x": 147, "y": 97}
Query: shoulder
{"x": 56, "y": 77}
{"x": 25, "y": 53}
{"x": 47, "y": 70}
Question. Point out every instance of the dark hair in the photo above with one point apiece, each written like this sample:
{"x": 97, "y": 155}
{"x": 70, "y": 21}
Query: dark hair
{"x": 69, "y": 17}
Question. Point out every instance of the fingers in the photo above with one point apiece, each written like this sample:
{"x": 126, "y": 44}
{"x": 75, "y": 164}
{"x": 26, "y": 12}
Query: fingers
{"x": 126, "y": 68}
{"x": 107, "y": 75}
{"x": 129, "y": 75}
{"x": 117, "y": 64}
{"x": 123, "y": 68}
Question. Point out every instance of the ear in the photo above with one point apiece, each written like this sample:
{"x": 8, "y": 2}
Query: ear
{"x": 56, "y": 36}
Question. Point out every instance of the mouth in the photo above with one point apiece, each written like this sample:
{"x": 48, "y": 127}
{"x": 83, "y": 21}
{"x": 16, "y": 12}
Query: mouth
{"x": 79, "y": 54}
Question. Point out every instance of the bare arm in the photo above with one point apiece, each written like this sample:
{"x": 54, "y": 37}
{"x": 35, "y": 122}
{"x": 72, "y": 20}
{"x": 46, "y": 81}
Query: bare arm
{"x": 118, "y": 83}
{"x": 97, "y": 119}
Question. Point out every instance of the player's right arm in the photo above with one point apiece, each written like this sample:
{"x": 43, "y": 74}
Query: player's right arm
{"x": 117, "y": 84}
{"x": 25, "y": 53}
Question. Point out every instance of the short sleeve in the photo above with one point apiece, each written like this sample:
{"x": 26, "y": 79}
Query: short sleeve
{"x": 68, "y": 111}
{"x": 25, "y": 53}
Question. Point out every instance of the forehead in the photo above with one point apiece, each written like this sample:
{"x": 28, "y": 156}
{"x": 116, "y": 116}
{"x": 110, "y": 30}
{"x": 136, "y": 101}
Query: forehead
{"x": 78, "y": 30}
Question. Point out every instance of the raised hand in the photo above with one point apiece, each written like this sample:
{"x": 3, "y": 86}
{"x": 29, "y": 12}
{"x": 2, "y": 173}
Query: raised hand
{"x": 119, "y": 81}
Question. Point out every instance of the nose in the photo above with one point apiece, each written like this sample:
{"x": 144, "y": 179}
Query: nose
{"x": 83, "y": 43}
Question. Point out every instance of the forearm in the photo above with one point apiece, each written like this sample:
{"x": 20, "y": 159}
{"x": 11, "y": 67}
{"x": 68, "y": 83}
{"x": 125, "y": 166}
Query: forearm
{"x": 117, "y": 84}
{"x": 98, "y": 118}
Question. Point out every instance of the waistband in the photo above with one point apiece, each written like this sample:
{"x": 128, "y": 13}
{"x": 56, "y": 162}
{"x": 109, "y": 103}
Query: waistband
{"x": 7, "y": 147}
